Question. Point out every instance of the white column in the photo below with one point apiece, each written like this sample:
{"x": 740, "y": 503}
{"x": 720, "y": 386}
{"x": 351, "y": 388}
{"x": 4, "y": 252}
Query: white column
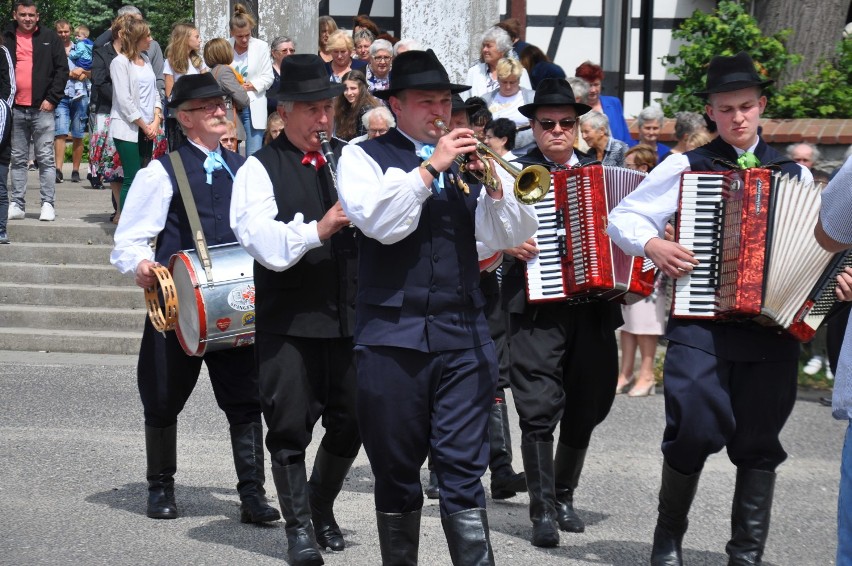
{"x": 294, "y": 18}
{"x": 451, "y": 28}
{"x": 211, "y": 18}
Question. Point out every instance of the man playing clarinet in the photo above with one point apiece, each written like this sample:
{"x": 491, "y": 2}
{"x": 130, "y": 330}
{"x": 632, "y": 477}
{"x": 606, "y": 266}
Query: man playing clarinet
{"x": 285, "y": 213}
{"x": 726, "y": 385}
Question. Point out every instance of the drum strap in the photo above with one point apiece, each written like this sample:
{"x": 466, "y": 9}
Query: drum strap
{"x": 192, "y": 215}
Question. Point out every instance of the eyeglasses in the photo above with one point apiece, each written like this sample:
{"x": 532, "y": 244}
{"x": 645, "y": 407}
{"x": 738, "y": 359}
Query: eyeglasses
{"x": 228, "y": 140}
{"x": 382, "y": 57}
{"x": 285, "y": 50}
{"x": 380, "y": 132}
{"x": 564, "y": 123}
{"x": 209, "y": 108}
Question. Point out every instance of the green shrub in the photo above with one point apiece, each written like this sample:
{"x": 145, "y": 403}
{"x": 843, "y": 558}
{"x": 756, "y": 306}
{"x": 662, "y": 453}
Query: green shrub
{"x": 825, "y": 93}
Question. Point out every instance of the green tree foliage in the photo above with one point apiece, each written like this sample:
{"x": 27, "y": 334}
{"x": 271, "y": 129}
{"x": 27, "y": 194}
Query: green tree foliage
{"x": 825, "y": 93}
{"x": 98, "y": 14}
{"x": 727, "y": 31}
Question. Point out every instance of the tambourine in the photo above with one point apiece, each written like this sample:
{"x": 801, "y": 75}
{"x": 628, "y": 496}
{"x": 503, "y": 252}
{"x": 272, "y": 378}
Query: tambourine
{"x": 163, "y": 318}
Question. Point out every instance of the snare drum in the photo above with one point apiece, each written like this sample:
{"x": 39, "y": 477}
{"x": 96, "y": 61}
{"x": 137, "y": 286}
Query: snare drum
{"x": 214, "y": 315}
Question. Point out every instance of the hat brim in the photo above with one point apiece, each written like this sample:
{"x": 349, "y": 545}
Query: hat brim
{"x": 732, "y": 86}
{"x": 452, "y": 87}
{"x": 207, "y": 92}
{"x": 528, "y": 110}
{"x": 332, "y": 90}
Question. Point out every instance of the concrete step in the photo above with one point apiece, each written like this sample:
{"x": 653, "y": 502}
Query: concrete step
{"x": 70, "y": 274}
{"x": 67, "y": 232}
{"x": 59, "y": 340}
{"x": 56, "y": 254}
{"x": 72, "y": 295}
{"x": 70, "y": 318}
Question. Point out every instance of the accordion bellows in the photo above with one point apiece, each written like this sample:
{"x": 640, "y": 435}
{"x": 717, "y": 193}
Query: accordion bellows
{"x": 752, "y": 233}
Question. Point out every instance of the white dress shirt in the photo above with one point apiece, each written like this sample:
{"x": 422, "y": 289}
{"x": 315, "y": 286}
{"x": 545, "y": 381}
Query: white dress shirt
{"x": 275, "y": 245}
{"x": 386, "y": 206}
{"x": 643, "y": 214}
{"x": 143, "y": 216}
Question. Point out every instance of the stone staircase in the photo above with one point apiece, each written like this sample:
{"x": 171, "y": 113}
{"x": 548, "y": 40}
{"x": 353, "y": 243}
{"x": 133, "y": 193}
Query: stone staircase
{"x": 58, "y": 291}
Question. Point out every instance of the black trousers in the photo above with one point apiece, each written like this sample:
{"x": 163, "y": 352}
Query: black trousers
{"x": 498, "y": 321}
{"x": 564, "y": 370}
{"x": 166, "y": 377}
{"x": 712, "y": 403}
{"x": 301, "y": 381}
{"x": 411, "y": 403}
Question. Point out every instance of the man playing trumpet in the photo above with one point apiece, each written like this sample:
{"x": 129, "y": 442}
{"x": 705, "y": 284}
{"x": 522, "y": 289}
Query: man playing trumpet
{"x": 426, "y": 365}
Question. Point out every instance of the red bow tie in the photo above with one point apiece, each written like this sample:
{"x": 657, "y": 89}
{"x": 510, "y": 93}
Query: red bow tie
{"x": 314, "y": 158}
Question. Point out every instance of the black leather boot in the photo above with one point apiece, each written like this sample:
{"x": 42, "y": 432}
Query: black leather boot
{"x": 292, "y": 485}
{"x": 538, "y": 464}
{"x": 676, "y": 494}
{"x": 161, "y": 453}
{"x": 750, "y": 516}
{"x": 468, "y": 538}
{"x": 567, "y": 466}
{"x": 247, "y": 446}
{"x": 399, "y": 537}
{"x": 505, "y": 483}
{"x": 325, "y": 483}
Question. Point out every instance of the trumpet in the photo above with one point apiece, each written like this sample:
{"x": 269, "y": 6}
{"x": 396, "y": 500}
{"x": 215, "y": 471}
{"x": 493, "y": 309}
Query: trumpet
{"x": 531, "y": 183}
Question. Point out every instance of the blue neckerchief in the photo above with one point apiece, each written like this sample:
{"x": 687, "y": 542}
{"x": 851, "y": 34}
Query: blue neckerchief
{"x": 425, "y": 153}
{"x": 213, "y": 162}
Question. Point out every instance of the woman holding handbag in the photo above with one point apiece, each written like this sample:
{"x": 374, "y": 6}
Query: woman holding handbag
{"x": 218, "y": 55}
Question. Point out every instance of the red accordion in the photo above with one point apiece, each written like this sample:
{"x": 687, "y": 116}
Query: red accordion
{"x": 577, "y": 260}
{"x": 752, "y": 233}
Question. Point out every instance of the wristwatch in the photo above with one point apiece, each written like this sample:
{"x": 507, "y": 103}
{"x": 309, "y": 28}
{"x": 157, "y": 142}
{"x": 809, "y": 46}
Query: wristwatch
{"x": 428, "y": 166}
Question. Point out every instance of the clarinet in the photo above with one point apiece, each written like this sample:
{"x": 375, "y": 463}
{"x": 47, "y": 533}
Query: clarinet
{"x": 343, "y": 243}
{"x": 328, "y": 153}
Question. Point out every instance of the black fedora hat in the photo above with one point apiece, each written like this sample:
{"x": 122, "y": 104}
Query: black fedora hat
{"x": 193, "y": 87}
{"x": 419, "y": 70}
{"x": 305, "y": 79}
{"x": 553, "y": 92}
{"x": 725, "y": 74}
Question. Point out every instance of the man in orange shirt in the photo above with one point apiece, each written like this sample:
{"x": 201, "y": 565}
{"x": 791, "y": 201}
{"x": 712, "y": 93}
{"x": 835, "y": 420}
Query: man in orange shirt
{"x": 41, "y": 70}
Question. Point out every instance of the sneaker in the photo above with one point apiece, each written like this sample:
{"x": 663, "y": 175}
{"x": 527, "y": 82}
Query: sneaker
{"x": 75, "y": 176}
{"x": 59, "y": 177}
{"x": 829, "y": 375}
{"x": 15, "y": 212}
{"x": 48, "y": 214}
{"x": 814, "y": 365}
{"x": 4, "y": 239}
{"x": 94, "y": 181}
{"x": 32, "y": 166}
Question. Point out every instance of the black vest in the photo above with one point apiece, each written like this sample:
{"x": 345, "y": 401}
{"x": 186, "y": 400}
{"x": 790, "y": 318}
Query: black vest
{"x": 212, "y": 201}
{"x": 315, "y": 297}
{"x": 423, "y": 291}
{"x": 736, "y": 341}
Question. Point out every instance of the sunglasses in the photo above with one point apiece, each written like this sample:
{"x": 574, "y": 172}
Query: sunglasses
{"x": 564, "y": 123}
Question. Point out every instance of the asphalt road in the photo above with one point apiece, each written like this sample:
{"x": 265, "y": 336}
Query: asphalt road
{"x": 73, "y": 484}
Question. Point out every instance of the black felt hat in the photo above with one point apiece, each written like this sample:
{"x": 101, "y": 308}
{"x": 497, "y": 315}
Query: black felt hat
{"x": 419, "y": 70}
{"x": 304, "y": 79}
{"x": 725, "y": 74}
{"x": 193, "y": 87}
{"x": 553, "y": 92}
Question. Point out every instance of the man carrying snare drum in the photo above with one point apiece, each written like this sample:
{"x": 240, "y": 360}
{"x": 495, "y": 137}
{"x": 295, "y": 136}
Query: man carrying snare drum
{"x": 167, "y": 375}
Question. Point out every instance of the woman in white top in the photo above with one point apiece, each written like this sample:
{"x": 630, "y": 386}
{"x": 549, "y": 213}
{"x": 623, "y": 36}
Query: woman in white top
{"x": 509, "y": 96}
{"x": 183, "y": 57}
{"x": 252, "y": 61}
{"x": 482, "y": 77}
{"x": 136, "y": 108}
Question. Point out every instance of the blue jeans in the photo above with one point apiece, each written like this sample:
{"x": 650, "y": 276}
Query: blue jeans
{"x": 254, "y": 138}
{"x": 72, "y": 116}
{"x": 844, "y": 503}
{"x": 32, "y": 123}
